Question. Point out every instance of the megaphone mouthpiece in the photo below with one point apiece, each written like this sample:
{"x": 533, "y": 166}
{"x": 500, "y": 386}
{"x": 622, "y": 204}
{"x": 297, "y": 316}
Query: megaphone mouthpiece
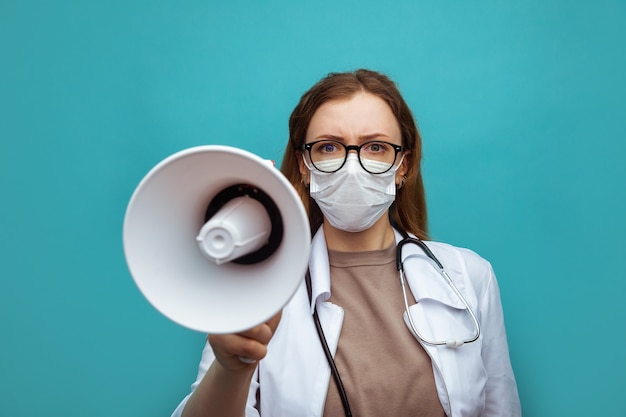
{"x": 246, "y": 216}
{"x": 240, "y": 227}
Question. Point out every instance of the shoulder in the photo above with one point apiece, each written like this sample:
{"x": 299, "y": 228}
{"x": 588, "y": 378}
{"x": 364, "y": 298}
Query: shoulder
{"x": 464, "y": 262}
{"x": 460, "y": 254}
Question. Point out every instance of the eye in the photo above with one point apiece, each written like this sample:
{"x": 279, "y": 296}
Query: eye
{"x": 376, "y": 147}
{"x": 327, "y": 147}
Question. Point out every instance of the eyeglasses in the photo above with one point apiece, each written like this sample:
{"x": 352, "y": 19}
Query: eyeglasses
{"x": 375, "y": 157}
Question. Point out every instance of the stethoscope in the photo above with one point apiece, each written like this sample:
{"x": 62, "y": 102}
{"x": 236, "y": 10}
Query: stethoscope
{"x": 451, "y": 343}
{"x": 400, "y": 266}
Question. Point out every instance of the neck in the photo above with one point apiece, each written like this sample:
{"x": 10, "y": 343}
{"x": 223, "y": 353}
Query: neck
{"x": 379, "y": 236}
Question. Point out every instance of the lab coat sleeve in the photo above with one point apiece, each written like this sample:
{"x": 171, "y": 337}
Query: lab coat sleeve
{"x": 205, "y": 363}
{"x": 501, "y": 398}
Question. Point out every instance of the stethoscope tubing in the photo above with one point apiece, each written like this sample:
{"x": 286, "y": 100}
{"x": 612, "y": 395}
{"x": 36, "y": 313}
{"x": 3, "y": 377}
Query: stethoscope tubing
{"x": 329, "y": 356}
{"x": 400, "y": 266}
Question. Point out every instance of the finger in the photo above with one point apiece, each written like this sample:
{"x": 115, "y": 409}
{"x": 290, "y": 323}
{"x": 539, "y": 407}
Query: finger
{"x": 274, "y": 321}
{"x": 247, "y": 361}
{"x": 261, "y": 333}
{"x": 250, "y": 349}
{"x": 264, "y": 332}
{"x": 232, "y": 345}
{"x": 229, "y": 349}
{"x": 251, "y": 345}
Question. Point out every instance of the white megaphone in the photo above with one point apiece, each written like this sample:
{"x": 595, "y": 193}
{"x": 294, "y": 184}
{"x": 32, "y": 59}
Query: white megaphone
{"x": 216, "y": 239}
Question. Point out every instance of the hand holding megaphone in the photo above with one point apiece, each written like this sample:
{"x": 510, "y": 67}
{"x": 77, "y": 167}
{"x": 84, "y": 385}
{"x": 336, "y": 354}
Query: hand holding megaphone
{"x": 240, "y": 351}
{"x": 218, "y": 241}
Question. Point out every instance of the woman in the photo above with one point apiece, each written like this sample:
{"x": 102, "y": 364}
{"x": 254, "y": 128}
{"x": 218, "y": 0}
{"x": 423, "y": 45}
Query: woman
{"x": 354, "y": 156}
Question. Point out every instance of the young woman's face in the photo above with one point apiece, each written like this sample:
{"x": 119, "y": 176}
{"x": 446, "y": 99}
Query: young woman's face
{"x": 361, "y": 118}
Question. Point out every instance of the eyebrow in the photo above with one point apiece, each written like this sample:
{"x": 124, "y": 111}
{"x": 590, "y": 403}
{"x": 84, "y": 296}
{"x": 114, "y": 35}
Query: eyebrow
{"x": 364, "y": 138}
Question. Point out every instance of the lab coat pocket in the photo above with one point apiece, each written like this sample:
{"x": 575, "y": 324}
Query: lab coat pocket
{"x": 436, "y": 322}
{"x": 461, "y": 367}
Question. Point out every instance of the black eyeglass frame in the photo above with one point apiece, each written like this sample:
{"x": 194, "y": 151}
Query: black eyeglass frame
{"x": 357, "y": 148}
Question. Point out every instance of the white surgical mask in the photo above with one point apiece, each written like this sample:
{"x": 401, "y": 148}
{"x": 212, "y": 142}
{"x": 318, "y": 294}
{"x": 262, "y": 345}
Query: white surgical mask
{"x": 352, "y": 199}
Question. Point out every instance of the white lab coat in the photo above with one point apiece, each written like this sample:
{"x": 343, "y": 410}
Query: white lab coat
{"x": 475, "y": 379}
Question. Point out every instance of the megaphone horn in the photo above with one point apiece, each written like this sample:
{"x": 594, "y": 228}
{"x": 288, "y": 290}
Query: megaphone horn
{"x": 216, "y": 239}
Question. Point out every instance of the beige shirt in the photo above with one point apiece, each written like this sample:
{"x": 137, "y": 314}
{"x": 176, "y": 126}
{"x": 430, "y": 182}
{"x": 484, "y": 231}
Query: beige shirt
{"x": 384, "y": 370}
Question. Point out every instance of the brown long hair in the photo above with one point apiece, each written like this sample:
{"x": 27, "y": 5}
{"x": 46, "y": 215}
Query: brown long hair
{"x": 408, "y": 211}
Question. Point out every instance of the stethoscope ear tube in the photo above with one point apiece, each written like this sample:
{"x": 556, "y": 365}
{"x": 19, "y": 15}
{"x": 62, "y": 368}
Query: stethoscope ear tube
{"x": 408, "y": 239}
{"x": 418, "y": 242}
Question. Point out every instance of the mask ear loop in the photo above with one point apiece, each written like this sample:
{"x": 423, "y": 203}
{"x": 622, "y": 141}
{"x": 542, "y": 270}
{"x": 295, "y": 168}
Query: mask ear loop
{"x": 329, "y": 356}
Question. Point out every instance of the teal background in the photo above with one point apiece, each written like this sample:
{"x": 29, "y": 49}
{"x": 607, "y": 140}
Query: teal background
{"x": 520, "y": 104}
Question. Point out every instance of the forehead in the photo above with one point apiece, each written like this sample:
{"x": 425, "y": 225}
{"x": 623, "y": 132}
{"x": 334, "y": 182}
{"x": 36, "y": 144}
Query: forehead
{"x": 362, "y": 114}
